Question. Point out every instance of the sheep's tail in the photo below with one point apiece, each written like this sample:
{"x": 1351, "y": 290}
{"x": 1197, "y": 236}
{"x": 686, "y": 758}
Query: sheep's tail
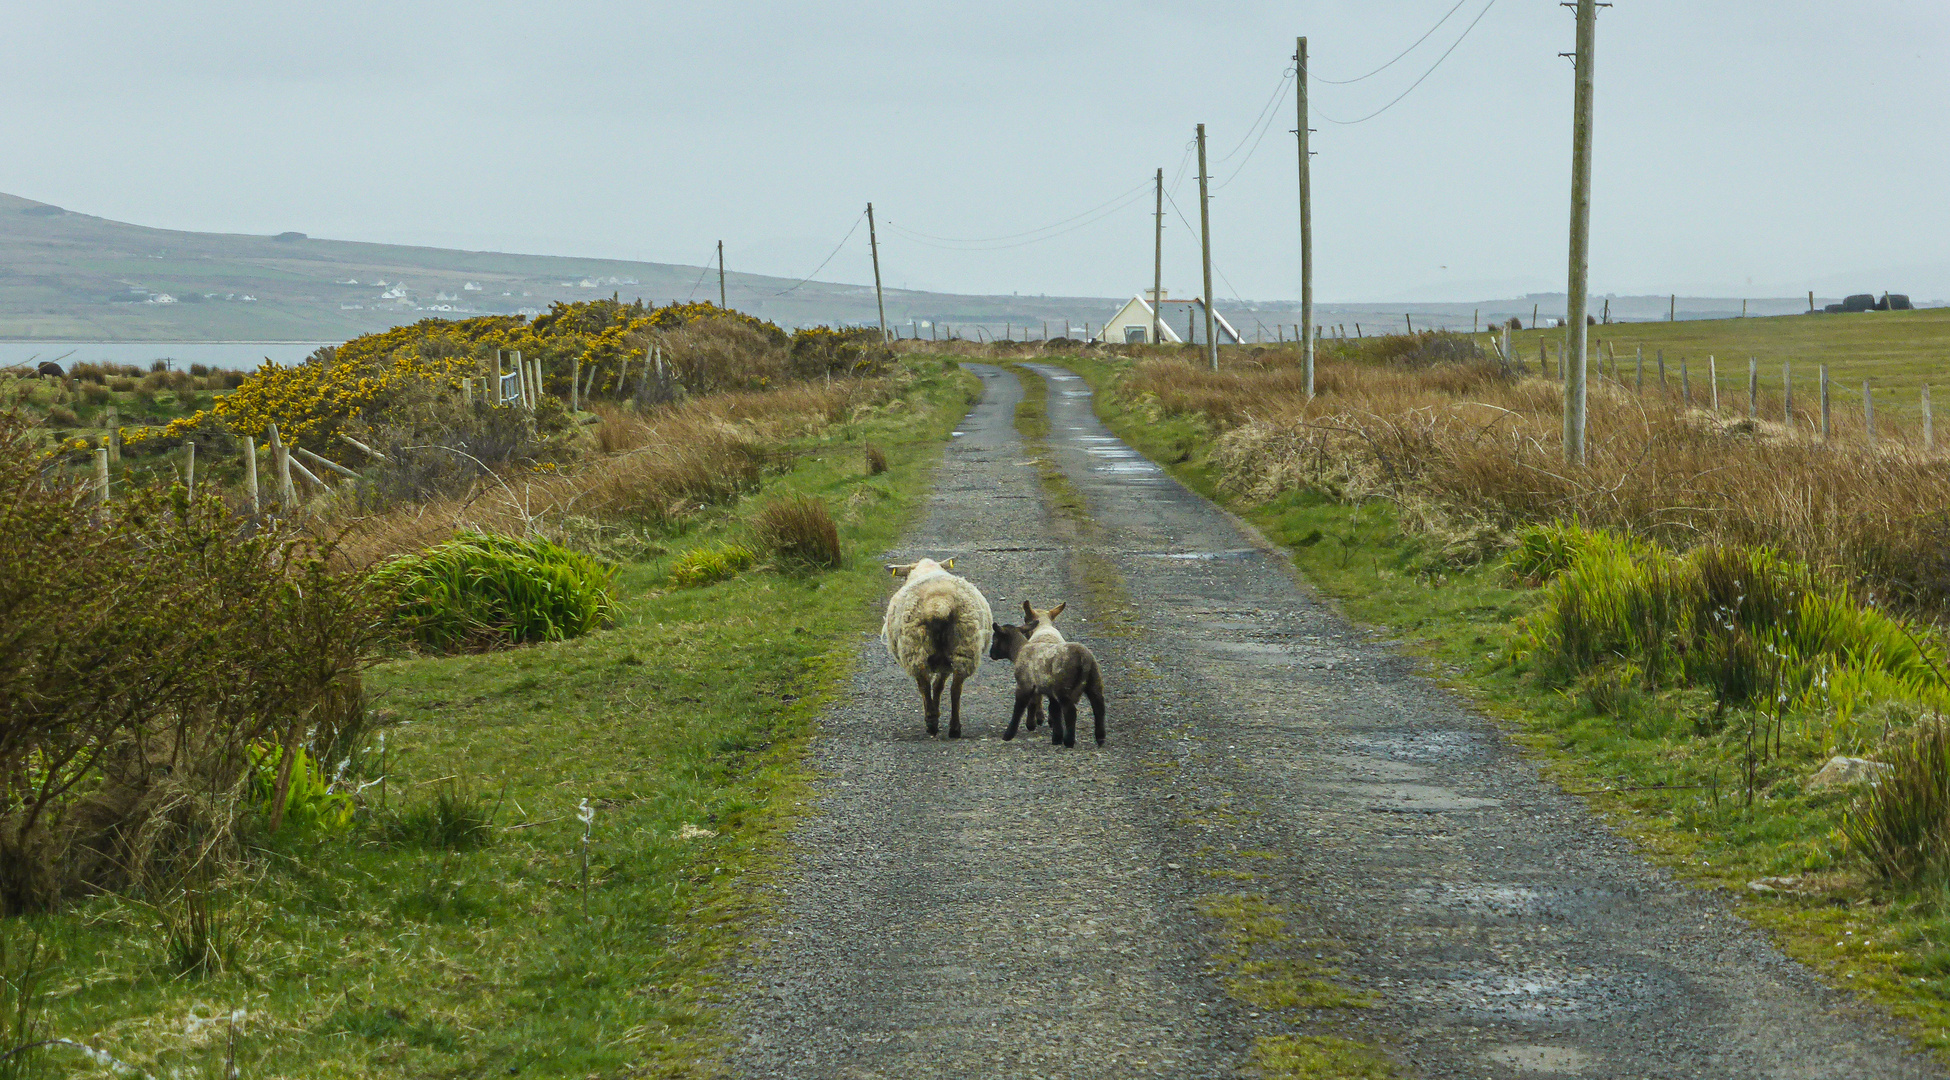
{"x": 939, "y": 614}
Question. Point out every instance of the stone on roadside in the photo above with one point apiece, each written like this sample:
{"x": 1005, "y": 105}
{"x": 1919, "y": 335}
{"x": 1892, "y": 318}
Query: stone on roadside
{"x": 1843, "y": 771}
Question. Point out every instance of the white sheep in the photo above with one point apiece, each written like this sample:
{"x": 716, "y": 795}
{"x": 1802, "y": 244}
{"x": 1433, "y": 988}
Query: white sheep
{"x": 937, "y": 625}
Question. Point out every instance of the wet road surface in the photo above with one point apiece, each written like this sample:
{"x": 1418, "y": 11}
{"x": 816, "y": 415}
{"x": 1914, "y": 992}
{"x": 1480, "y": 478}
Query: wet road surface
{"x": 1286, "y": 819}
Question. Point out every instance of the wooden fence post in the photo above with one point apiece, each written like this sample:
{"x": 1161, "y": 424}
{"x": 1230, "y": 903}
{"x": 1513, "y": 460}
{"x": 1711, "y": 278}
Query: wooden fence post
{"x": 101, "y": 476}
{"x": 1685, "y": 383}
{"x": 1639, "y": 382}
{"x": 250, "y": 471}
{"x": 287, "y": 494}
{"x": 1543, "y": 359}
{"x": 1787, "y": 393}
{"x": 189, "y": 467}
{"x": 1824, "y": 402}
{"x": 114, "y": 436}
{"x": 1713, "y": 376}
{"x": 1929, "y": 425}
{"x": 1869, "y": 410}
{"x": 1753, "y": 387}
{"x": 1663, "y": 385}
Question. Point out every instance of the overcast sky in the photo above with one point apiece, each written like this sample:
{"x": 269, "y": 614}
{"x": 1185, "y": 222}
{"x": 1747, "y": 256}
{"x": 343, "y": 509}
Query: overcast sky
{"x": 1743, "y": 147}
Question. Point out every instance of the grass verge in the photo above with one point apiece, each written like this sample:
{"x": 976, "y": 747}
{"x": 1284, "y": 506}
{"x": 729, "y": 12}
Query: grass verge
{"x": 1780, "y": 859}
{"x": 395, "y": 952}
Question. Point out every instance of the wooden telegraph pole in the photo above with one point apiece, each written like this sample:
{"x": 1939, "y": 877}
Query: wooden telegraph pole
{"x": 873, "y": 244}
{"x": 1205, "y": 248}
{"x": 1157, "y": 267}
{"x": 1574, "y": 338}
{"x": 721, "y": 300}
{"x": 1306, "y": 214}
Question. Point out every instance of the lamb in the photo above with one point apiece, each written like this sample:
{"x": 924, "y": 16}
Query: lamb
{"x": 1008, "y": 642}
{"x": 937, "y": 625}
{"x": 1062, "y": 671}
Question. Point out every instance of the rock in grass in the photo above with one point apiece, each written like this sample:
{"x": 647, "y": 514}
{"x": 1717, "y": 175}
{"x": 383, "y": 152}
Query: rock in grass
{"x": 1843, "y": 771}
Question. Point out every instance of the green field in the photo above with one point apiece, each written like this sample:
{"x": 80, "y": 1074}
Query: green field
{"x": 1896, "y": 351}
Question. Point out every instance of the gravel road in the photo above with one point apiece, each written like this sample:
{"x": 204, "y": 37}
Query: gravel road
{"x": 1285, "y": 816}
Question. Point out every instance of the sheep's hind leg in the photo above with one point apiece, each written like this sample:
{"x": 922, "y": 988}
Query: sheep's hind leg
{"x": 928, "y": 706}
{"x": 954, "y": 707}
{"x": 1055, "y": 720}
{"x": 934, "y": 702}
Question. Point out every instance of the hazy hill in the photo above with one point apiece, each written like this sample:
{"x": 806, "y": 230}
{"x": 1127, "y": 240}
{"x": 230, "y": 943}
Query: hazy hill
{"x": 72, "y": 276}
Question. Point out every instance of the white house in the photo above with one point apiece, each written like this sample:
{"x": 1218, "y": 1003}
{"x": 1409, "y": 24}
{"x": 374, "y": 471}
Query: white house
{"x": 1132, "y": 323}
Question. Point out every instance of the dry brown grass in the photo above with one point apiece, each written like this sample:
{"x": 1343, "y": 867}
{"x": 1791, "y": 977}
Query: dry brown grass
{"x": 650, "y": 468}
{"x": 1470, "y": 454}
{"x": 800, "y": 531}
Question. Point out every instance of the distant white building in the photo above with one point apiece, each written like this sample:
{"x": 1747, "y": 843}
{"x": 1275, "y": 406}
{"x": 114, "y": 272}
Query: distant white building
{"x": 160, "y": 298}
{"x": 1132, "y": 323}
{"x": 472, "y": 286}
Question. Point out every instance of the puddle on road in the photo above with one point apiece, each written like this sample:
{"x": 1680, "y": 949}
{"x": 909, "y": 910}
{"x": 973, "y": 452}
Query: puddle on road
{"x": 1499, "y": 901}
{"x": 1441, "y": 745}
{"x": 1234, "y": 555}
{"x": 1410, "y": 798}
{"x": 1542, "y": 994}
{"x": 1548, "y": 1060}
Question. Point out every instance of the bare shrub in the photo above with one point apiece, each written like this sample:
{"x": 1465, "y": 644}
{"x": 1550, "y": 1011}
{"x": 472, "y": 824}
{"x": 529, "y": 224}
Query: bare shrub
{"x": 143, "y": 648}
{"x": 799, "y": 530}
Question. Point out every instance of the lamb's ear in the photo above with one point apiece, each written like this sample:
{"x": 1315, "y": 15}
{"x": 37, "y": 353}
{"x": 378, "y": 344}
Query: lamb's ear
{"x": 899, "y": 569}
{"x": 1057, "y": 610}
{"x": 1028, "y": 613}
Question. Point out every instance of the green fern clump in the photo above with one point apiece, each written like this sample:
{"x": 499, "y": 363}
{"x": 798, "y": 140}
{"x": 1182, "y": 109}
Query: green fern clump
{"x": 482, "y": 591}
{"x": 705, "y": 565}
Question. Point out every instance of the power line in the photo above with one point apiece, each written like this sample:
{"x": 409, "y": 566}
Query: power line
{"x": 914, "y": 233}
{"x": 1265, "y": 125}
{"x": 1215, "y": 266}
{"x": 1418, "y": 82}
{"x": 1398, "y": 56}
{"x": 1263, "y": 111}
{"x": 1108, "y": 211}
{"x": 703, "y": 270}
{"x": 829, "y": 258}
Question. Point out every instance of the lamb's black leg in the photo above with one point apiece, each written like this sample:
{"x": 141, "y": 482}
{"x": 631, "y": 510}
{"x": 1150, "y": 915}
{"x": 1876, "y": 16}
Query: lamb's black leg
{"x": 1097, "y": 710}
{"x": 1055, "y": 720}
{"x": 1022, "y": 701}
{"x": 928, "y": 707}
{"x": 1070, "y": 724}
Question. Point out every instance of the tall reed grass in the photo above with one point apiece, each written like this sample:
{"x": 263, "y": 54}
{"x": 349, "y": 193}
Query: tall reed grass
{"x": 1473, "y": 452}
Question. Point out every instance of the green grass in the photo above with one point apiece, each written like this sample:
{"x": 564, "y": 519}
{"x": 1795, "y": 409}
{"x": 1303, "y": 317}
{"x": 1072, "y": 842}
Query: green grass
{"x": 1640, "y": 757}
{"x": 422, "y": 948}
{"x": 1898, "y": 351}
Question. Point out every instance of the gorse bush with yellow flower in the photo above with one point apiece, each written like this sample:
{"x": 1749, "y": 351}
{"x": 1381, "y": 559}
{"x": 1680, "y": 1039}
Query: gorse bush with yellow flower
{"x": 378, "y": 380}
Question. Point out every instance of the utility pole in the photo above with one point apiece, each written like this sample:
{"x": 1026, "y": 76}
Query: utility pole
{"x": 1574, "y": 338}
{"x": 1205, "y": 246}
{"x": 721, "y": 300}
{"x": 1157, "y": 266}
{"x": 873, "y": 244}
{"x": 1306, "y": 214}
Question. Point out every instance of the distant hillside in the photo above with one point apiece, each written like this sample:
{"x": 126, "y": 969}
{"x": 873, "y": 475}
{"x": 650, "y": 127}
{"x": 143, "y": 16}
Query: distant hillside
{"x": 72, "y": 276}
{"x": 66, "y": 276}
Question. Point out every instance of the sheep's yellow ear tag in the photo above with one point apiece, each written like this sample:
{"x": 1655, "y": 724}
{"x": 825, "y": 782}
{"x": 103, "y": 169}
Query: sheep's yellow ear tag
{"x": 892, "y": 572}
{"x": 950, "y": 564}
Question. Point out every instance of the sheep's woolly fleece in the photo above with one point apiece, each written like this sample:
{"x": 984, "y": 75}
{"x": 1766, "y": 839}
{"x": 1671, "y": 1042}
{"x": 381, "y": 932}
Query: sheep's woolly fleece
{"x": 931, "y": 593}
